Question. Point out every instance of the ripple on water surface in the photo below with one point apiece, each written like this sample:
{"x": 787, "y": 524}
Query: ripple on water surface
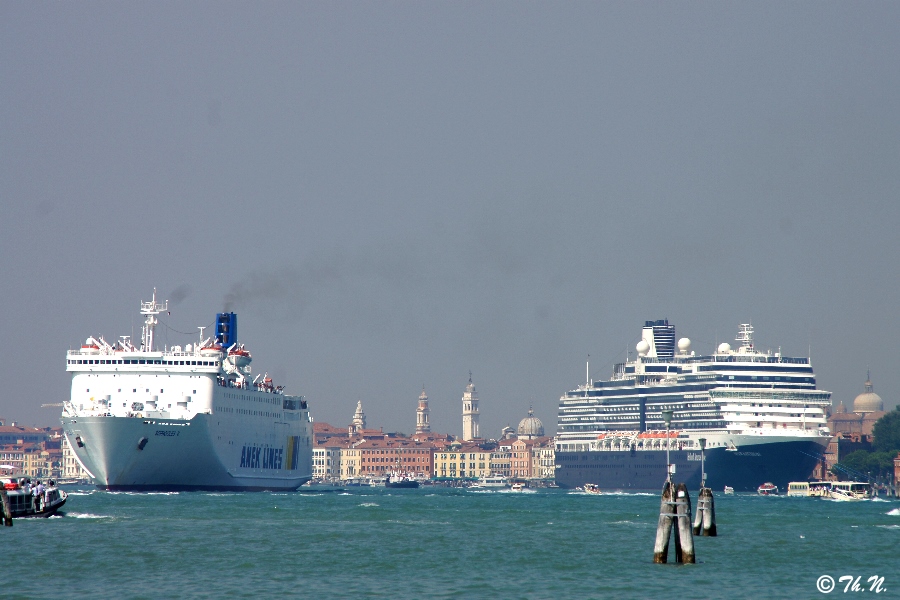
{"x": 436, "y": 542}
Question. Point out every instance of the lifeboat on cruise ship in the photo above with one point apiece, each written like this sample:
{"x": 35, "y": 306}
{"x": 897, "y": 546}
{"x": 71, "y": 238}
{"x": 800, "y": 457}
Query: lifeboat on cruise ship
{"x": 90, "y": 346}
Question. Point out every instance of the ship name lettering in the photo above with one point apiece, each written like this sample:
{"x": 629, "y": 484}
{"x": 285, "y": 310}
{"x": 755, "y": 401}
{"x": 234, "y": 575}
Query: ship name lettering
{"x": 167, "y": 433}
{"x": 258, "y": 457}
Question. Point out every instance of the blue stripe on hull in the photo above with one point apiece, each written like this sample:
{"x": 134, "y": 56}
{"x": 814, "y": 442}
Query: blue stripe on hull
{"x": 744, "y": 470}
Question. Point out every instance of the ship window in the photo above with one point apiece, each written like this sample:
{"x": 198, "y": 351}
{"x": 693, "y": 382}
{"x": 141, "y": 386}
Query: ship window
{"x": 134, "y": 390}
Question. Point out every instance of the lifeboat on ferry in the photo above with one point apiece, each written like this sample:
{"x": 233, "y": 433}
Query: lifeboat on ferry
{"x": 240, "y": 356}
{"x": 211, "y": 350}
{"x": 90, "y": 346}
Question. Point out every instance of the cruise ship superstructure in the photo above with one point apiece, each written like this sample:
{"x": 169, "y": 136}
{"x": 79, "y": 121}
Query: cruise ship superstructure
{"x": 760, "y": 415}
{"x": 183, "y": 418}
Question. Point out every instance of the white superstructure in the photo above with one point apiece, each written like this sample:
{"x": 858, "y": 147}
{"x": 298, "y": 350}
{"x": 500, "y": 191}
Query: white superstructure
{"x": 189, "y": 417}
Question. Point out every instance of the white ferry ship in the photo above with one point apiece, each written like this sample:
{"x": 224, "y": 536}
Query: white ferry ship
{"x": 186, "y": 418}
{"x": 758, "y": 413}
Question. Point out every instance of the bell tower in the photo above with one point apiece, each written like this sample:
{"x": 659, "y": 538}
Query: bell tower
{"x": 470, "y": 412}
{"x": 423, "y": 425}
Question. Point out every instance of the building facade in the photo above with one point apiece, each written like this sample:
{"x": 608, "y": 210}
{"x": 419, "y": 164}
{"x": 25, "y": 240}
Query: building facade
{"x": 543, "y": 459}
{"x": 462, "y": 461}
{"x": 326, "y": 461}
{"x": 378, "y": 458}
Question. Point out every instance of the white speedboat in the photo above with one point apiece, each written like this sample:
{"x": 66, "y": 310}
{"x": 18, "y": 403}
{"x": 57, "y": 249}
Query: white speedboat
{"x": 591, "y": 488}
{"x": 493, "y": 481}
{"x": 767, "y": 489}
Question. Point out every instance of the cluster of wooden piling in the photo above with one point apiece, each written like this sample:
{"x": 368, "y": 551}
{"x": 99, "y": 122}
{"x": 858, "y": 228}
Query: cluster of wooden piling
{"x": 674, "y": 517}
{"x": 5, "y": 508}
{"x": 705, "y": 522}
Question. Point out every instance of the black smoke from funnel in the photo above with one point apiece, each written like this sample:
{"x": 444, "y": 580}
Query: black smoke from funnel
{"x": 289, "y": 284}
{"x": 180, "y": 293}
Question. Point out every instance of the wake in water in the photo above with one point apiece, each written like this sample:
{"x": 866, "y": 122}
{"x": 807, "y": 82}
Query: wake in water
{"x": 143, "y": 493}
{"x": 86, "y": 516}
{"x": 894, "y": 512}
{"x": 368, "y": 504}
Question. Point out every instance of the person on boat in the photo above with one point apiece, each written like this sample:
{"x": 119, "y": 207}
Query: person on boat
{"x": 38, "y": 493}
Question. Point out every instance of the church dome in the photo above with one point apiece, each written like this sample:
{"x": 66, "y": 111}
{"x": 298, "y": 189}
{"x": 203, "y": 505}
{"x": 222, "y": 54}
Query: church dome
{"x": 868, "y": 401}
{"x": 530, "y": 427}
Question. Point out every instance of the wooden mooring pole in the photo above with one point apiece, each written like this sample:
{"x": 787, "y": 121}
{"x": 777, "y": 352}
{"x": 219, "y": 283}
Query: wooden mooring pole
{"x": 5, "y": 508}
{"x": 674, "y": 518}
{"x": 664, "y": 526}
{"x": 705, "y": 522}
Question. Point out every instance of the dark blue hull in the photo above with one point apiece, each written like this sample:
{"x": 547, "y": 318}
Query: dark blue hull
{"x": 744, "y": 470}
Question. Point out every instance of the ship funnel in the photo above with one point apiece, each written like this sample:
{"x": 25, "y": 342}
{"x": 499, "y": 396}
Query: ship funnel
{"x": 226, "y": 328}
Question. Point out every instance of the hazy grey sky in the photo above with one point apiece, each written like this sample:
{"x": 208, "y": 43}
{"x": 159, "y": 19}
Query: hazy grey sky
{"x": 391, "y": 194}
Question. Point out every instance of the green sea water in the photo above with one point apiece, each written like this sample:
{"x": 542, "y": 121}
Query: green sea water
{"x": 440, "y": 543}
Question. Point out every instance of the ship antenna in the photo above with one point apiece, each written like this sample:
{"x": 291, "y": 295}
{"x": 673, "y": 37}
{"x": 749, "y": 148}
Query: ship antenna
{"x": 587, "y": 371}
{"x": 150, "y": 309}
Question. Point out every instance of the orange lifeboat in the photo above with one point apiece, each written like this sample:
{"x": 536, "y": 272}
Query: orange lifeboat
{"x": 239, "y": 356}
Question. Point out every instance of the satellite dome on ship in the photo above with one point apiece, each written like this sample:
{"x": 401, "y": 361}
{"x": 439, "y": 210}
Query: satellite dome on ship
{"x": 868, "y": 401}
{"x": 530, "y": 427}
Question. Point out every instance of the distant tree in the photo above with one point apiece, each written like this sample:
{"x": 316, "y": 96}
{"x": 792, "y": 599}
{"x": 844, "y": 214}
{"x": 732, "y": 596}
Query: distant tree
{"x": 853, "y": 465}
{"x": 886, "y": 432}
{"x": 862, "y": 464}
{"x": 882, "y": 463}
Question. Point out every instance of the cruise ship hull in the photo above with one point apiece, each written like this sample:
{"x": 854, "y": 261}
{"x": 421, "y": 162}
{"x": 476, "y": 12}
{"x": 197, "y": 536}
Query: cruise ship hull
{"x": 147, "y": 454}
{"x": 744, "y": 468}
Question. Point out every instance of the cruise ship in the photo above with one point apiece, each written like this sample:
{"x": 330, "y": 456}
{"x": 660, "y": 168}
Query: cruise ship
{"x": 759, "y": 415}
{"x": 183, "y": 418}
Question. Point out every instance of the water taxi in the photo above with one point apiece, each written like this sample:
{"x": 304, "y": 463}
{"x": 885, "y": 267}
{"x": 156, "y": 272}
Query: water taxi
{"x": 23, "y": 501}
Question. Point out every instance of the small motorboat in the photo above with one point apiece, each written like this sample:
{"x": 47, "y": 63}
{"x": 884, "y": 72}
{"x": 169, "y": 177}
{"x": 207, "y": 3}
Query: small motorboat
{"x": 591, "y": 488}
{"x": 767, "y": 489}
{"x": 517, "y": 487}
{"x": 729, "y": 491}
{"x": 400, "y": 479}
{"x": 492, "y": 481}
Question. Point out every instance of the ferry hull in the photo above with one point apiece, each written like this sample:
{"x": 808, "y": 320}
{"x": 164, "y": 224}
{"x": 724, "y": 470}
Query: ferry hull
{"x": 134, "y": 454}
{"x": 743, "y": 469}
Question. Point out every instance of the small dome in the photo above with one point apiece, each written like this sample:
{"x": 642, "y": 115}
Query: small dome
{"x": 724, "y": 348}
{"x": 684, "y": 344}
{"x": 643, "y": 347}
{"x": 530, "y": 427}
{"x": 868, "y": 401}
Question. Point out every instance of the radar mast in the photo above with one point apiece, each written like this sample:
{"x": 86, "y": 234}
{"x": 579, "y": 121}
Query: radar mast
{"x": 151, "y": 309}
